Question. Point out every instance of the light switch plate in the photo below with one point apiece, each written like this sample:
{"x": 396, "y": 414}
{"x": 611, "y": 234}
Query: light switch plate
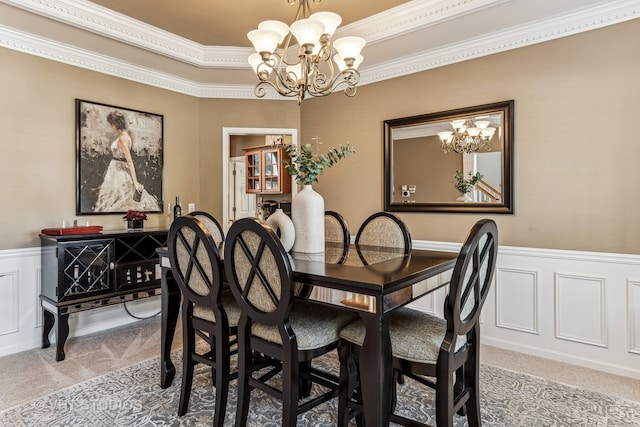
{"x": 191, "y": 207}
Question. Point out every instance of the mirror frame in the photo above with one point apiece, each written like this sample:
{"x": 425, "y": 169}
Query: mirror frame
{"x": 506, "y": 207}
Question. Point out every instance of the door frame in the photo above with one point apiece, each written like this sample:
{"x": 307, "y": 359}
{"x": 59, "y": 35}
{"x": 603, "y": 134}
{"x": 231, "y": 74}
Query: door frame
{"x": 227, "y": 132}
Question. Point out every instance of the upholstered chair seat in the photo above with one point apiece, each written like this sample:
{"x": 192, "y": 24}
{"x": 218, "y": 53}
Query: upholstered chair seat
{"x": 314, "y": 325}
{"x": 415, "y": 336}
{"x": 230, "y": 306}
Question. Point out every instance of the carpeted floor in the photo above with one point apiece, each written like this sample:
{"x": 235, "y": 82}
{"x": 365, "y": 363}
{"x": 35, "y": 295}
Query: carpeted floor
{"x": 132, "y": 397}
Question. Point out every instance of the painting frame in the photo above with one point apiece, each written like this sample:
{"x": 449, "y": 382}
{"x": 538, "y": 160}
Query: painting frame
{"x": 114, "y": 144}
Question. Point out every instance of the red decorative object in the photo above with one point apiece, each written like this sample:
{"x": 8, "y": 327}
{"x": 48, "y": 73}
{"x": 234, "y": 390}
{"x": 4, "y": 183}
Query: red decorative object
{"x": 90, "y": 229}
{"x": 134, "y": 216}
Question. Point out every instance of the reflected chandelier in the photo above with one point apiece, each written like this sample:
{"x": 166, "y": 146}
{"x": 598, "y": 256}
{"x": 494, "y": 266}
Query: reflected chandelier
{"x": 311, "y": 70}
{"x": 467, "y": 136}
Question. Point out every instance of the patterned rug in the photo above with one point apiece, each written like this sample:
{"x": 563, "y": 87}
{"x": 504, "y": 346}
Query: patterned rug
{"x": 132, "y": 397}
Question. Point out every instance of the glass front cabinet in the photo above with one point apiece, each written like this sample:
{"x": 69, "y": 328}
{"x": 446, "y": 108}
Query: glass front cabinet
{"x": 265, "y": 172}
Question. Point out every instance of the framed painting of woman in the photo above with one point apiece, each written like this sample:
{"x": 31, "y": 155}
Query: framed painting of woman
{"x": 119, "y": 155}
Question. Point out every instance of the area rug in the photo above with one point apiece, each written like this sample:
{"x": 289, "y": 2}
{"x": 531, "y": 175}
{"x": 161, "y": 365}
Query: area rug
{"x": 132, "y": 397}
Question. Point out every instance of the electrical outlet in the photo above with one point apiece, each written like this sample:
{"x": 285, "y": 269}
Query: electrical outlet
{"x": 192, "y": 207}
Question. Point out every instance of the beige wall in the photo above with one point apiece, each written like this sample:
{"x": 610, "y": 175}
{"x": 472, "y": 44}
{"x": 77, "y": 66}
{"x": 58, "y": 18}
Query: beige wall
{"x": 37, "y": 166}
{"x": 434, "y": 182}
{"x": 577, "y": 101}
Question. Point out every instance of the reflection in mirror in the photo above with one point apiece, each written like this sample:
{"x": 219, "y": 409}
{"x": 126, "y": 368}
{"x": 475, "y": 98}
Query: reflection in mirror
{"x": 452, "y": 161}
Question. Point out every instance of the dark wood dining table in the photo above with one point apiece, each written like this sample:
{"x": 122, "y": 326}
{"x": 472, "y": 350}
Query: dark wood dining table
{"x": 374, "y": 281}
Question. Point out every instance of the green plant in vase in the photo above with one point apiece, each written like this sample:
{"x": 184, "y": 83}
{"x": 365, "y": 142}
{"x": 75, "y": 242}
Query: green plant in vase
{"x": 307, "y": 206}
{"x": 465, "y": 185}
{"x": 307, "y": 167}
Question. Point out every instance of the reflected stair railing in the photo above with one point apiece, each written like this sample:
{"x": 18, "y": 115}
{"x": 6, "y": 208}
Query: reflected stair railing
{"x": 487, "y": 193}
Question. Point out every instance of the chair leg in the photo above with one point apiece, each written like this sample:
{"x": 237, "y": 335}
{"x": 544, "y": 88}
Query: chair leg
{"x": 458, "y": 387}
{"x": 305, "y": 385}
{"x": 244, "y": 370}
{"x": 189, "y": 347}
{"x": 221, "y": 380}
{"x": 472, "y": 380}
{"x": 444, "y": 398}
{"x": 398, "y": 379}
{"x": 290, "y": 390}
{"x": 347, "y": 380}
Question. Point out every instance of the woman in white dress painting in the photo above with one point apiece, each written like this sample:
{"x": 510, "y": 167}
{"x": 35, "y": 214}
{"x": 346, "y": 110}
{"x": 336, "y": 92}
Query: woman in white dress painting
{"x": 120, "y": 189}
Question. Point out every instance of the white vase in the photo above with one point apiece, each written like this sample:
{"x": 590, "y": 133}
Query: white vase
{"x": 464, "y": 198}
{"x": 307, "y": 213}
{"x": 283, "y": 227}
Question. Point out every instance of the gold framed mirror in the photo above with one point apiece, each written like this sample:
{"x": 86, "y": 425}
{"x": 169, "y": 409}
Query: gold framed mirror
{"x": 450, "y": 161}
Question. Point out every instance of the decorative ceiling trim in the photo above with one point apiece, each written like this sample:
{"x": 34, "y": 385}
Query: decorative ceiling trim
{"x": 70, "y": 55}
{"x": 412, "y": 16}
{"x": 550, "y": 29}
{"x": 607, "y": 14}
{"x": 91, "y": 17}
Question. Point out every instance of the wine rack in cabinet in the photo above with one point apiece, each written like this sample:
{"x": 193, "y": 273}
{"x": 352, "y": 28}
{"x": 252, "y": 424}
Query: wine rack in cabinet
{"x": 82, "y": 272}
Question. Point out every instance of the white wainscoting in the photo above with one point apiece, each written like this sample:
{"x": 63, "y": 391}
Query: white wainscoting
{"x": 581, "y": 308}
{"x": 577, "y": 307}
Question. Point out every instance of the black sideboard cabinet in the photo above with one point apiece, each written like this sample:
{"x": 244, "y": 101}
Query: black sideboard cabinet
{"x": 82, "y": 272}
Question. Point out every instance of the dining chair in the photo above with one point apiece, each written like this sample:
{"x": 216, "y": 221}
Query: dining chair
{"x": 381, "y": 237}
{"x": 443, "y": 354}
{"x": 336, "y": 231}
{"x": 212, "y": 224}
{"x": 382, "y": 229}
{"x": 207, "y": 310}
{"x": 275, "y": 324}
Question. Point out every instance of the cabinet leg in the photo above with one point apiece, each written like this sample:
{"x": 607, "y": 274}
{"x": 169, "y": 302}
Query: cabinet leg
{"x": 49, "y": 321}
{"x": 62, "y": 332}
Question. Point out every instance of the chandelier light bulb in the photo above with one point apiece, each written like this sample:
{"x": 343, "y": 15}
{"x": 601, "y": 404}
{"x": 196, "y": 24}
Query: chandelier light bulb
{"x": 342, "y": 64}
{"x": 307, "y": 32}
{"x": 349, "y": 47}
{"x": 330, "y": 21}
{"x": 259, "y": 66}
{"x": 445, "y": 136}
{"x": 264, "y": 40}
{"x": 459, "y": 125}
{"x": 277, "y": 26}
{"x": 473, "y": 132}
{"x": 487, "y": 133}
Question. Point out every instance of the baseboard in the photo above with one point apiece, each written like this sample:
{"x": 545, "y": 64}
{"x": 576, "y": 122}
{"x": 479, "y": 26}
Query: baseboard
{"x": 570, "y": 359}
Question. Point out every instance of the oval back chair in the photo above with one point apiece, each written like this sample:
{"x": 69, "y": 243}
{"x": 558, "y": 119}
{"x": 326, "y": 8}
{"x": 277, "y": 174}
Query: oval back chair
{"x": 336, "y": 231}
{"x": 290, "y": 331}
{"x": 207, "y": 311}
{"x": 212, "y": 224}
{"x": 434, "y": 351}
{"x": 382, "y": 229}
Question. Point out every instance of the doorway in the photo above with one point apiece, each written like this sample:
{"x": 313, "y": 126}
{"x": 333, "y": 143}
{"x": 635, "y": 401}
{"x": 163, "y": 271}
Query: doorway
{"x": 233, "y": 189}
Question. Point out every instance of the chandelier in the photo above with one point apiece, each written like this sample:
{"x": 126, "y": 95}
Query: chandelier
{"x": 316, "y": 66}
{"x": 467, "y": 136}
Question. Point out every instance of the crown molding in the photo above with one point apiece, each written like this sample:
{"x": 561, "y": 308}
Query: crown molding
{"x": 91, "y": 17}
{"x": 585, "y": 20}
{"x": 606, "y": 14}
{"x": 412, "y": 16}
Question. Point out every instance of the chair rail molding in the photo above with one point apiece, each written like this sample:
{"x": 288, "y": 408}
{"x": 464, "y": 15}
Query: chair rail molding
{"x": 538, "y": 306}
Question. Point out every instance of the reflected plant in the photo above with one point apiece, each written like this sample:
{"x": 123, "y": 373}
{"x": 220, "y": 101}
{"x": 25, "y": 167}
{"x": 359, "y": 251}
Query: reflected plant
{"x": 466, "y": 185}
